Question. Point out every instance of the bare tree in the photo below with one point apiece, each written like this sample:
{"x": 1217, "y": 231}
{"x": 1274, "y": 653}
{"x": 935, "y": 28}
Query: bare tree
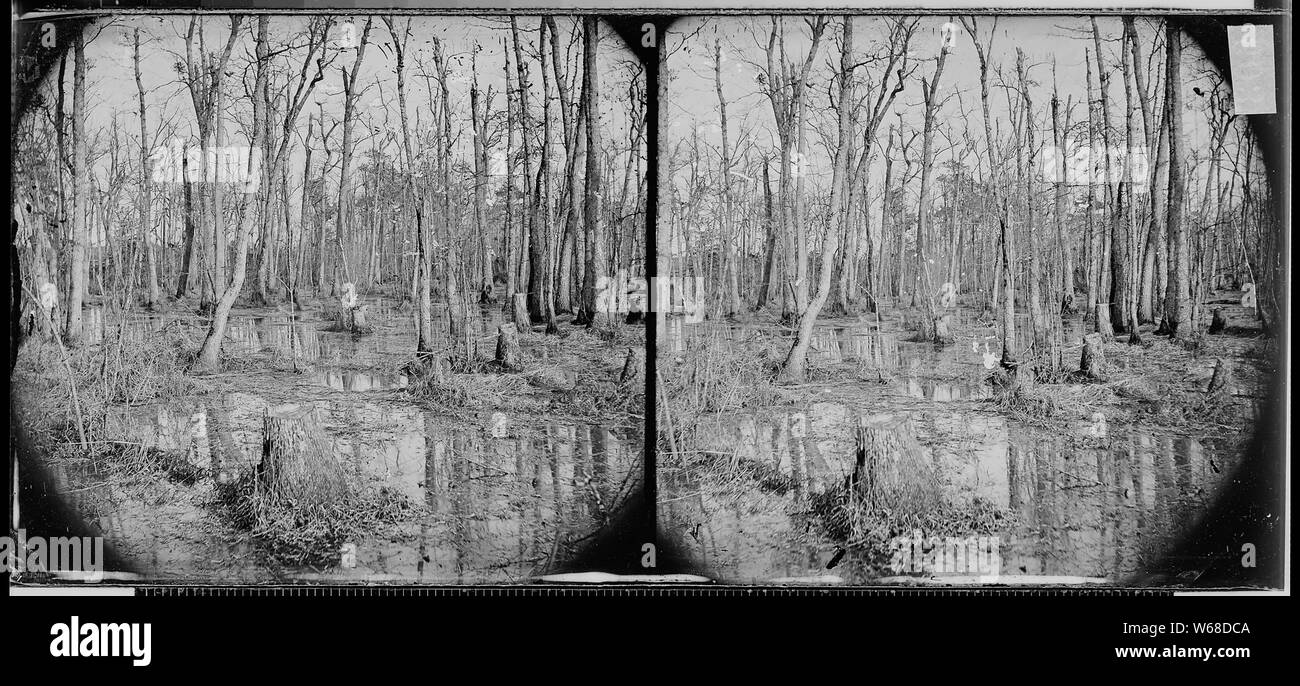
{"x": 79, "y": 270}
{"x": 1178, "y": 293}
{"x": 351, "y": 93}
{"x": 146, "y": 228}
{"x": 1007, "y": 247}
{"x": 423, "y": 265}
{"x": 595, "y": 248}
{"x": 794, "y": 366}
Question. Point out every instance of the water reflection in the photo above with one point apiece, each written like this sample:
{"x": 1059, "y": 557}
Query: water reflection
{"x": 300, "y": 335}
{"x": 886, "y": 344}
{"x": 507, "y": 499}
{"x": 358, "y": 381}
{"x": 1072, "y": 504}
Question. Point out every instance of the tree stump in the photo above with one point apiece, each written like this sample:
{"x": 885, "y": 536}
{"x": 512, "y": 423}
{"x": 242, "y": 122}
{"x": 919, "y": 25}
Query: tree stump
{"x": 943, "y": 329}
{"x": 522, "y": 323}
{"x": 359, "y": 325}
{"x": 1218, "y": 323}
{"x": 631, "y": 367}
{"x": 1068, "y": 306}
{"x": 1221, "y": 383}
{"x": 509, "y": 355}
{"x": 892, "y": 473}
{"x": 343, "y": 320}
{"x": 1093, "y": 362}
{"x": 948, "y": 295}
{"x": 1134, "y": 334}
{"x": 226, "y": 457}
{"x": 299, "y": 469}
{"x": 1101, "y": 319}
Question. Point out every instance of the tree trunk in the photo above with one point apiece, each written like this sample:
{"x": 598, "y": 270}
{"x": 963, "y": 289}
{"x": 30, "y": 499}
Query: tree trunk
{"x": 520, "y": 312}
{"x": 450, "y": 262}
{"x": 1093, "y": 361}
{"x": 73, "y": 330}
{"x": 536, "y": 246}
{"x": 1091, "y": 241}
{"x": 351, "y": 94}
{"x": 298, "y": 468}
{"x": 153, "y": 297}
{"x": 1059, "y": 129}
{"x": 359, "y": 324}
{"x": 930, "y": 91}
{"x": 1115, "y": 254}
{"x": 595, "y": 241}
{"x": 508, "y": 354}
{"x": 1218, "y": 323}
{"x": 479, "y": 111}
{"x": 1220, "y": 389}
{"x": 211, "y": 350}
{"x": 1178, "y": 298}
{"x": 794, "y": 366}
{"x": 1036, "y": 321}
{"x": 892, "y": 472}
{"x": 1007, "y": 248}
{"x": 422, "y": 265}
{"x": 769, "y": 253}
{"x": 543, "y": 192}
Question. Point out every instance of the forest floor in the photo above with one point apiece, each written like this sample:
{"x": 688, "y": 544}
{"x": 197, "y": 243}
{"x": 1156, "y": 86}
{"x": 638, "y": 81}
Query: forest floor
{"x": 733, "y": 440}
{"x": 148, "y": 448}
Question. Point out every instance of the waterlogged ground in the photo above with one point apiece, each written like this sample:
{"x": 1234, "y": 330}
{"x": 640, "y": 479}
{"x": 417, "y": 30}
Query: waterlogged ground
{"x": 496, "y": 495}
{"x": 1096, "y": 494}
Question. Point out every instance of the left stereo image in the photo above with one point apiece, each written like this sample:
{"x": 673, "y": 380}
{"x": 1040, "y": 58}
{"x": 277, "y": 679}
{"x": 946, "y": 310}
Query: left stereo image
{"x": 326, "y": 298}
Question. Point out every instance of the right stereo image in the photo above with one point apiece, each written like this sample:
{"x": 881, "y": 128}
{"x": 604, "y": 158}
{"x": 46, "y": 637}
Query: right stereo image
{"x": 973, "y": 300}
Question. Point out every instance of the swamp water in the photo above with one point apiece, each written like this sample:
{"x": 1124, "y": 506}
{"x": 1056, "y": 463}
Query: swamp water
{"x": 1075, "y": 502}
{"x": 505, "y": 497}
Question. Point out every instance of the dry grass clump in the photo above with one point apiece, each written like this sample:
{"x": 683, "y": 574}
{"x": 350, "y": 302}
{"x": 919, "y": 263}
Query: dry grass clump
{"x": 1042, "y": 404}
{"x": 311, "y": 534}
{"x": 469, "y": 390}
{"x": 845, "y": 516}
{"x": 715, "y": 374}
{"x": 64, "y": 394}
{"x": 123, "y": 368}
{"x": 728, "y": 477}
{"x": 597, "y": 395}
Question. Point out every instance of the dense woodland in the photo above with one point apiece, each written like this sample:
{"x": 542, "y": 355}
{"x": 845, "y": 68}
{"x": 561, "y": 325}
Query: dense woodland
{"x": 830, "y": 166}
{"x": 213, "y": 163}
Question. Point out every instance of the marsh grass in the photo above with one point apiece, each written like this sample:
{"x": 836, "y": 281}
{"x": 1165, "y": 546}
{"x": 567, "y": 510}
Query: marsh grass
{"x": 716, "y": 374}
{"x": 120, "y": 370}
{"x": 1042, "y": 404}
{"x": 295, "y": 534}
{"x": 473, "y": 391}
{"x": 843, "y": 515}
{"x": 839, "y": 513}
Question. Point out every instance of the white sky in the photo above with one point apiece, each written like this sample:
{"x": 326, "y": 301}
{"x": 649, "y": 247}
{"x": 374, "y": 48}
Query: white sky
{"x": 112, "y": 89}
{"x": 693, "y": 105}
